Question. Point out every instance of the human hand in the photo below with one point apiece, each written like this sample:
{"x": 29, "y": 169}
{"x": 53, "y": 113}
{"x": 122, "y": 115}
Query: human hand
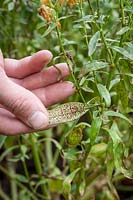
{"x": 26, "y": 90}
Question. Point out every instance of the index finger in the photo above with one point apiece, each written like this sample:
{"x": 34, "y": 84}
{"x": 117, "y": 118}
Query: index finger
{"x": 28, "y": 65}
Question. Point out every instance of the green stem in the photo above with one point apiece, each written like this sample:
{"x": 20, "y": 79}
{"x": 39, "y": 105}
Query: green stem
{"x": 3, "y": 195}
{"x": 11, "y": 169}
{"x": 98, "y": 9}
{"x": 111, "y": 58}
{"x": 84, "y": 28}
{"x": 37, "y": 163}
{"x": 107, "y": 48}
{"x": 71, "y": 71}
{"x": 90, "y": 7}
{"x": 56, "y": 155}
{"x": 123, "y": 24}
{"x": 122, "y": 11}
{"x": 11, "y": 176}
{"x": 23, "y": 161}
{"x": 48, "y": 151}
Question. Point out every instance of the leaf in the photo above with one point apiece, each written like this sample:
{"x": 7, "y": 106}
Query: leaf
{"x": 87, "y": 89}
{"x": 92, "y": 66}
{"x": 87, "y": 18}
{"x": 111, "y": 113}
{"x": 57, "y": 144}
{"x": 49, "y": 30}
{"x": 94, "y": 130}
{"x": 98, "y": 149}
{"x": 41, "y": 25}
{"x": 70, "y": 154}
{"x": 2, "y": 140}
{"x": 55, "y": 185}
{"x": 41, "y": 182}
{"x": 93, "y": 43}
{"x": 114, "y": 134}
{"x": 66, "y": 112}
{"x": 124, "y": 52}
{"x": 122, "y": 94}
{"x": 7, "y": 151}
{"x": 82, "y": 187}
{"x": 21, "y": 178}
{"x": 11, "y": 6}
{"x": 65, "y": 17}
{"x": 104, "y": 93}
{"x": 113, "y": 83}
{"x": 123, "y": 30}
{"x": 118, "y": 151}
{"x": 68, "y": 180}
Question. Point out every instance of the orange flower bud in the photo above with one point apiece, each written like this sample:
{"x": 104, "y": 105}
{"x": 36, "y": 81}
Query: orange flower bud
{"x": 46, "y": 13}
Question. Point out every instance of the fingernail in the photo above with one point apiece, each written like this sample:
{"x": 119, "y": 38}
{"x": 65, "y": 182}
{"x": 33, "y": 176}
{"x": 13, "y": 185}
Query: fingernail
{"x": 38, "y": 120}
{"x": 71, "y": 85}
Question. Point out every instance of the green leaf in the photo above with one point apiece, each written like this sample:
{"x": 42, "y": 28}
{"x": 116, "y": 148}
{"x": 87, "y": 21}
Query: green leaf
{"x": 82, "y": 187}
{"x": 104, "y": 93}
{"x": 118, "y": 151}
{"x": 114, "y": 82}
{"x": 7, "y": 151}
{"x": 49, "y": 30}
{"x": 93, "y": 43}
{"x": 87, "y": 89}
{"x": 94, "y": 130}
{"x": 21, "y": 178}
{"x": 98, "y": 149}
{"x": 110, "y": 159}
{"x": 68, "y": 180}
{"x": 111, "y": 113}
{"x": 122, "y": 94}
{"x": 11, "y": 6}
{"x": 55, "y": 185}
{"x": 57, "y": 144}
{"x": 124, "y": 52}
{"x": 87, "y": 18}
{"x": 123, "y": 30}
{"x": 114, "y": 133}
{"x": 2, "y": 140}
{"x": 65, "y": 17}
{"x": 92, "y": 66}
{"x": 41, "y": 182}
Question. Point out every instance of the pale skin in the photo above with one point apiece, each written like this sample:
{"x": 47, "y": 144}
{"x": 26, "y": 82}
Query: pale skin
{"x": 27, "y": 88}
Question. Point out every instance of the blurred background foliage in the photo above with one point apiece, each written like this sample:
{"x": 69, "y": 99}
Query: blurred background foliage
{"x": 91, "y": 160}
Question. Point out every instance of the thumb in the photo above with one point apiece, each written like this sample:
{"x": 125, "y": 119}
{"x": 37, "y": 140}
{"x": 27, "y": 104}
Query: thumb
{"x": 21, "y": 102}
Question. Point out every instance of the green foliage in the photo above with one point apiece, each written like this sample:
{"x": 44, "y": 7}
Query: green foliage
{"x": 89, "y": 158}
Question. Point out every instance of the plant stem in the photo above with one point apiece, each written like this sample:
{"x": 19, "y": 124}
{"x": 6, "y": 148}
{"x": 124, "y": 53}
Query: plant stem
{"x": 11, "y": 169}
{"x": 123, "y": 24}
{"x": 11, "y": 176}
{"x": 111, "y": 58}
{"x": 84, "y": 28}
{"x": 98, "y": 8}
{"x": 3, "y": 195}
{"x": 37, "y": 163}
{"x": 90, "y": 7}
{"x": 48, "y": 151}
{"x": 107, "y": 48}
{"x": 23, "y": 162}
{"x": 56, "y": 155}
{"x": 71, "y": 71}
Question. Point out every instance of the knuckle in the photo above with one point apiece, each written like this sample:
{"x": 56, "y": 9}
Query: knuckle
{"x": 19, "y": 106}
